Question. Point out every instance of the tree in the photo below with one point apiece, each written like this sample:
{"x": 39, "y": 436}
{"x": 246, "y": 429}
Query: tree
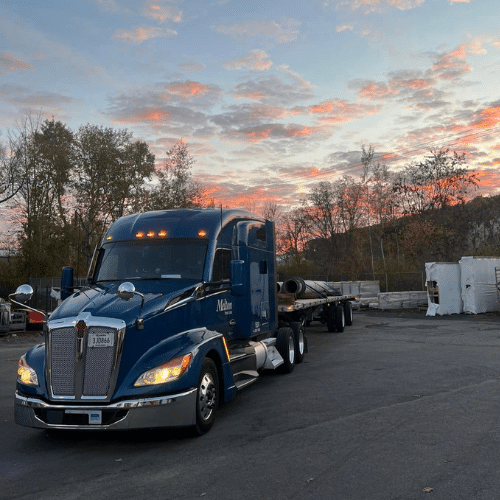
{"x": 292, "y": 234}
{"x": 43, "y": 161}
{"x": 10, "y": 182}
{"x": 350, "y": 198}
{"x": 109, "y": 177}
{"x": 176, "y": 188}
{"x": 442, "y": 179}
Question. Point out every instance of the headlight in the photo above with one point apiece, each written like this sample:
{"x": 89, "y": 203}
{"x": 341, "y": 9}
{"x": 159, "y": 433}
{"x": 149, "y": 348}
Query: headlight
{"x": 25, "y": 374}
{"x": 165, "y": 373}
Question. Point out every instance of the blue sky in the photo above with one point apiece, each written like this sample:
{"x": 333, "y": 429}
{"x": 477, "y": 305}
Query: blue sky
{"x": 271, "y": 97}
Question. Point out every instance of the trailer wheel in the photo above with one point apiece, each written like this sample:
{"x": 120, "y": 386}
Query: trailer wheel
{"x": 286, "y": 347}
{"x": 348, "y": 312}
{"x": 207, "y": 397}
{"x": 339, "y": 318}
{"x": 330, "y": 317}
{"x": 300, "y": 341}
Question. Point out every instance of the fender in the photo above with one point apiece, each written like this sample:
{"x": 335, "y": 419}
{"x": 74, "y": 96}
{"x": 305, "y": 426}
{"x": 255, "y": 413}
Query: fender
{"x": 200, "y": 342}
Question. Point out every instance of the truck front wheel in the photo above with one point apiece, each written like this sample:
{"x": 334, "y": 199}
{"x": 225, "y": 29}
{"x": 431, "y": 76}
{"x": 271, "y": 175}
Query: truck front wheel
{"x": 207, "y": 398}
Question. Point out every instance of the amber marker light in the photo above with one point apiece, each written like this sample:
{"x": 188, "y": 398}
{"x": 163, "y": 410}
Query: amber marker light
{"x": 109, "y": 238}
{"x": 151, "y": 234}
{"x": 225, "y": 347}
{"x": 162, "y": 233}
{"x": 140, "y": 234}
{"x": 202, "y": 233}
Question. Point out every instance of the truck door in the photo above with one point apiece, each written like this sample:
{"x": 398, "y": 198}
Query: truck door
{"x": 254, "y": 310}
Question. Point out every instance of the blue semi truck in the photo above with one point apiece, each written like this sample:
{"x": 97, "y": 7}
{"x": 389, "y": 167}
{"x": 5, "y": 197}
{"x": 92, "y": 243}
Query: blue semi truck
{"x": 179, "y": 312}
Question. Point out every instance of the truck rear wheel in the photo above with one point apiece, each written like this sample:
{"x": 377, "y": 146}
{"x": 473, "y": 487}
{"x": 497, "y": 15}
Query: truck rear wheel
{"x": 300, "y": 341}
{"x": 285, "y": 344}
{"x": 207, "y": 397}
{"x": 348, "y": 312}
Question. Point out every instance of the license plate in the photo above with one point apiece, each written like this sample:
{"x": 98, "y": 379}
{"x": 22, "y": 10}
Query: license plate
{"x": 95, "y": 416}
{"x": 101, "y": 339}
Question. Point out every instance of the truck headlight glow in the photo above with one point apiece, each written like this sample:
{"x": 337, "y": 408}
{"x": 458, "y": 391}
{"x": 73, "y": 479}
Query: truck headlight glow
{"x": 25, "y": 374}
{"x": 165, "y": 373}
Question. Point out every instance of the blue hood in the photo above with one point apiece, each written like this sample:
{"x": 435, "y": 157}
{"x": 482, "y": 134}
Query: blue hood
{"x": 103, "y": 301}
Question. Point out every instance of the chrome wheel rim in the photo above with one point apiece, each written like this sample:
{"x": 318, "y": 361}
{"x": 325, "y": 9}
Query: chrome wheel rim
{"x": 301, "y": 342}
{"x": 291, "y": 350}
{"x": 207, "y": 396}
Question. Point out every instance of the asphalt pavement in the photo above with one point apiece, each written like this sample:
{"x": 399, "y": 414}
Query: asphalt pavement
{"x": 398, "y": 406}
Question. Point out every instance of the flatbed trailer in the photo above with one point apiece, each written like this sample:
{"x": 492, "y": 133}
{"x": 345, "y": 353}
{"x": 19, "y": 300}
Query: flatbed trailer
{"x": 336, "y": 311}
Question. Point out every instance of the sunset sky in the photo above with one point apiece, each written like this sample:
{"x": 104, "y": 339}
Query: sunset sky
{"x": 271, "y": 97}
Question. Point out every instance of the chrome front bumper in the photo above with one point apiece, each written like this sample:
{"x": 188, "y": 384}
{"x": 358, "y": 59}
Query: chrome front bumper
{"x": 178, "y": 410}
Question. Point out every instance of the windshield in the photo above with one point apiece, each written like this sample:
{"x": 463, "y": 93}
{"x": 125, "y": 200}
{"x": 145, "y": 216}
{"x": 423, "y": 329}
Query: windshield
{"x": 181, "y": 259}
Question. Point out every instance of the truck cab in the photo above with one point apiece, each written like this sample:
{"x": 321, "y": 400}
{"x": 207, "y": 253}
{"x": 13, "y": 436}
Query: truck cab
{"x": 179, "y": 312}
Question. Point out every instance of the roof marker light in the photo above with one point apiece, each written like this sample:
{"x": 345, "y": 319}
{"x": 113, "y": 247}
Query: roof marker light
{"x": 202, "y": 233}
{"x": 162, "y": 233}
{"x": 140, "y": 234}
{"x": 109, "y": 238}
{"x": 151, "y": 234}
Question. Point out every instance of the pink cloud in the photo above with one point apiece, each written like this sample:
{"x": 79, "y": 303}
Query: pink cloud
{"x": 188, "y": 89}
{"x": 141, "y": 34}
{"x": 9, "y": 63}
{"x": 275, "y": 131}
{"x": 162, "y": 13}
{"x": 254, "y": 60}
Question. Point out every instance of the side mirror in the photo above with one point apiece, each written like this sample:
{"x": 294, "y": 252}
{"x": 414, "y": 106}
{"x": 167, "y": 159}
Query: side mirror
{"x": 237, "y": 278}
{"x": 126, "y": 290}
{"x": 23, "y": 293}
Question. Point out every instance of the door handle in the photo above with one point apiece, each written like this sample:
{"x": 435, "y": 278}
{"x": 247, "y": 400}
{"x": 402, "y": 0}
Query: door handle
{"x": 232, "y": 322}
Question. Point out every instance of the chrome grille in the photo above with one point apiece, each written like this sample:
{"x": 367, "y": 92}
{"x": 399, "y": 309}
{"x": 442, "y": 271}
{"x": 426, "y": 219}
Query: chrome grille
{"x": 63, "y": 347}
{"x": 98, "y": 366}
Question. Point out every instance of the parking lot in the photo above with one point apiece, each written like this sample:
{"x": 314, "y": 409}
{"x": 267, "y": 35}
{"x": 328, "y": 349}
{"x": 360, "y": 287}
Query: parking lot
{"x": 398, "y": 406}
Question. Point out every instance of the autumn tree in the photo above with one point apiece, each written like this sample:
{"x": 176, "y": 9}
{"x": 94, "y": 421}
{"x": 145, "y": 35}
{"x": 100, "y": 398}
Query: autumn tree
{"x": 176, "y": 187}
{"x": 292, "y": 234}
{"x": 441, "y": 179}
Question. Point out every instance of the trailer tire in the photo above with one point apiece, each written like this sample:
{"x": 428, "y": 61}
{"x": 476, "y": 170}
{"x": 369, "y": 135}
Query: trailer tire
{"x": 330, "y": 317}
{"x": 339, "y": 319}
{"x": 285, "y": 344}
{"x": 348, "y": 312}
{"x": 299, "y": 340}
{"x": 207, "y": 397}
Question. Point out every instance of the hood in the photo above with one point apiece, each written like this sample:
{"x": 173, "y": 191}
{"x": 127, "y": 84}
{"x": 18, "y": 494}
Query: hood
{"x": 103, "y": 301}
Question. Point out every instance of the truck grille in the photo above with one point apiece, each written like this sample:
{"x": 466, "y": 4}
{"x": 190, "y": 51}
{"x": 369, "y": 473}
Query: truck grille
{"x": 63, "y": 356}
{"x": 98, "y": 366}
{"x": 92, "y": 373}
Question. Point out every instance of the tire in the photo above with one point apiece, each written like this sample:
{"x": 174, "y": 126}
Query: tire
{"x": 330, "y": 317}
{"x": 348, "y": 312}
{"x": 207, "y": 397}
{"x": 339, "y": 318}
{"x": 299, "y": 341}
{"x": 285, "y": 344}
